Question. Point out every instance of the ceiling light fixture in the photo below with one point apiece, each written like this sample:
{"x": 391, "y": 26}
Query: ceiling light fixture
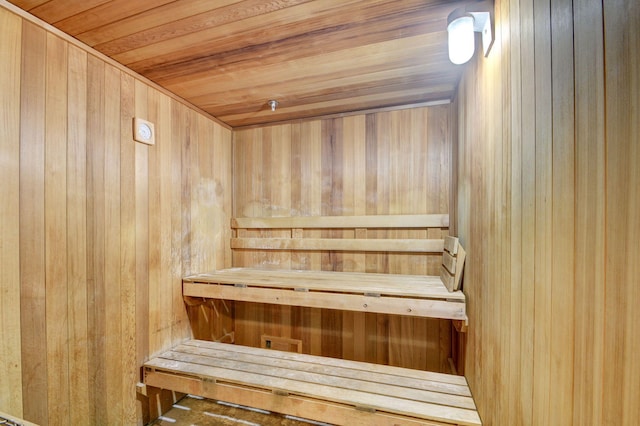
{"x": 461, "y": 28}
{"x": 273, "y": 104}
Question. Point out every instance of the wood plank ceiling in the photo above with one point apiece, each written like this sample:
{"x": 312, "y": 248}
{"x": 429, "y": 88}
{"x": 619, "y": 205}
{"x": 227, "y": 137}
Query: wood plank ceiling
{"x": 230, "y": 57}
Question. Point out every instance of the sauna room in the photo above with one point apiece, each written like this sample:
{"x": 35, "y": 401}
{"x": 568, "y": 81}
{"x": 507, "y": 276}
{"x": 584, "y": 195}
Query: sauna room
{"x": 329, "y": 212}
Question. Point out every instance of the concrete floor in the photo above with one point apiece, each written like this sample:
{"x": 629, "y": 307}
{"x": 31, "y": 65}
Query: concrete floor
{"x": 194, "y": 411}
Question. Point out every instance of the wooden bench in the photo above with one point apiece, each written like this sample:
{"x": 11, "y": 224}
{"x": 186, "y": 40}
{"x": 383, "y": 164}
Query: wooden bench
{"x": 320, "y": 388}
{"x": 8, "y": 420}
{"x": 317, "y": 388}
{"x": 414, "y": 295}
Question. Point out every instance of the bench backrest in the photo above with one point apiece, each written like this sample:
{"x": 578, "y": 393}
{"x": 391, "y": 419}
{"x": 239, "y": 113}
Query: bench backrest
{"x": 453, "y": 258}
{"x": 297, "y": 240}
{"x": 364, "y": 236}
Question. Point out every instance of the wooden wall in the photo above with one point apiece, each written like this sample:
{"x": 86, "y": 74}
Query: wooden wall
{"x": 396, "y": 162}
{"x": 96, "y": 231}
{"x": 548, "y": 198}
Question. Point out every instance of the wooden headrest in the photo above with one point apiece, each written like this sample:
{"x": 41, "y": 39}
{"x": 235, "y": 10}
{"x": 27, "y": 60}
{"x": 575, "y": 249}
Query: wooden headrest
{"x": 453, "y": 258}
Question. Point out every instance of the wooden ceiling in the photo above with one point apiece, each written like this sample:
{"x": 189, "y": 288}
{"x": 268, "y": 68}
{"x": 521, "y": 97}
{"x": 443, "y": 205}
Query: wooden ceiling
{"x": 230, "y": 57}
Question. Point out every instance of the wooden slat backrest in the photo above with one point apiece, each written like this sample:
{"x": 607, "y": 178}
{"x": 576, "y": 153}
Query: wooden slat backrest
{"x": 357, "y": 244}
{"x": 453, "y": 258}
{"x": 453, "y": 255}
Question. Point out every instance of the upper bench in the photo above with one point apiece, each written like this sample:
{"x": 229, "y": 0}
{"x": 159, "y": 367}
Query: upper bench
{"x": 415, "y": 295}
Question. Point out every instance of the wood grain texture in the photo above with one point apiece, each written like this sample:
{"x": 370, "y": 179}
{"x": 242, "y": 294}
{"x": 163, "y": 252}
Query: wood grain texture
{"x": 622, "y": 134}
{"x": 546, "y": 143}
{"x": 330, "y": 169}
{"x": 55, "y": 199}
{"x": 385, "y": 389}
{"x": 77, "y": 237}
{"x": 230, "y": 57}
{"x": 10, "y": 325}
{"x": 32, "y": 207}
{"x": 77, "y": 203}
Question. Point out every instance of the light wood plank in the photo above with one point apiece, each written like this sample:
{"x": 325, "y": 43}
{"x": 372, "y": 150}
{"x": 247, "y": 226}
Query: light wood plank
{"x": 449, "y": 262}
{"x": 131, "y": 406}
{"x": 142, "y": 230}
{"x": 56, "y": 275}
{"x": 390, "y": 284}
{"x": 95, "y": 228}
{"x": 388, "y": 305}
{"x": 315, "y": 244}
{"x": 618, "y": 293}
{"x": 7, "y": 417}
{"x": 306, "y": 370}
{"x": 10, "y": 326}
{"x": 112, "y": 249}
{"x": 32, "y": 224}
{"x": 77, "y": 237}
{"x": 95, "y": 222}
{"x": 355, "y": 398}
{"x": 563, "y": 216}
{"x": 447, "y": 278}
{"x": 590, "y": 213}
{"x": 362, "y": 367}
{"x": 462, "y": 255}
{"x": 362, "y": 221}
{"x": 157, "y": 280}
{"x": 301, "y": 407}
{"x": 451, "y": 245}
{"x": 543, "y": 209}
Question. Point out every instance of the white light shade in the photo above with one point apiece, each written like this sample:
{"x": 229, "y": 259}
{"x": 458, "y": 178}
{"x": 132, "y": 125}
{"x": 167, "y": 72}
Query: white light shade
{"x": 461, "y": 39}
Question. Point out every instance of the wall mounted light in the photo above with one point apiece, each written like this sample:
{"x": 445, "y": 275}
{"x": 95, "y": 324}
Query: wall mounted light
{"x": 461, "y": 28}
{"x": 273, "y": 104}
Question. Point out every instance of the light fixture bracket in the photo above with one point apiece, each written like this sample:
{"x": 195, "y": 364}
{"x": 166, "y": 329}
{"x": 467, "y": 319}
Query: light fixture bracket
{"x": 482, "y": 25}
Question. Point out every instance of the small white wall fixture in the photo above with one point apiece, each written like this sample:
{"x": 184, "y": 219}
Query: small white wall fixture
{"x": 462, "y": 25}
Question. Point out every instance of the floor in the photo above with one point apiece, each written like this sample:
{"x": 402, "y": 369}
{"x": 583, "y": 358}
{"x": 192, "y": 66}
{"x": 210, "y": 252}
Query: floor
{"x": 196, "y": 411}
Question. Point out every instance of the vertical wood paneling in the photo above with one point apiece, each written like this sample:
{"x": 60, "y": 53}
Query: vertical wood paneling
{"x": 79, "y": 222}
{"x": 112, "y": 271}
{"x": 621, "y": 396}
{"x": 142, "y": 231}
{"x": 95, "y": 229}
{"x": 392, "y": 162}
{"x": 128, "y": 287}
{"x": 563, "y": 213}
{"x": 155, "y": 231}
{"x": 32, "y": 261}
{"x": 77, "y": 237}
{"x": 10, "y": 339}
{"x": 55, "y": 198}
{"x": 552, "y": 109}
{"x": 590, "y": 211}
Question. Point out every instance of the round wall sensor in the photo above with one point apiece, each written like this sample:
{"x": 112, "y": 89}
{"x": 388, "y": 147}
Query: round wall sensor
{"x": 143, "y": 131}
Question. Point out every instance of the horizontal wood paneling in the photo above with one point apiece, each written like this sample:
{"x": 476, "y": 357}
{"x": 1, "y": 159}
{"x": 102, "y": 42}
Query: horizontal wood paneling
{"x": 94, "y": 226}
{"x": 230, "y": 57}
{"x": 547, "y": 199}
{"x": 386, "y": 163}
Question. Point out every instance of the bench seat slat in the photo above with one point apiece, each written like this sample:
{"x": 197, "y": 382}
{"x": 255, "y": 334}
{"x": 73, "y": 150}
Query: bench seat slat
{"x": 299, "y": 371}
{"x": 421, "y": 379}
{"x": 414, "y": 295}
{"x": 326, "y": 387}
{"x": 415, "y": 286}
{"x": 427, "y": 308}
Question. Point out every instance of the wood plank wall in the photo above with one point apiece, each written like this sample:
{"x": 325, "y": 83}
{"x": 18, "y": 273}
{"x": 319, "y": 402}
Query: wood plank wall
{"x": 96, "y": 231}
{"x": 396, "y": 162}
{"x": 548, "y": 197}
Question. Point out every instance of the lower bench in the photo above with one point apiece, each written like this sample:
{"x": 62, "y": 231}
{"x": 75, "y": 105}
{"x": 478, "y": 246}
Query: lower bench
{"x": 318, "y": 388}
